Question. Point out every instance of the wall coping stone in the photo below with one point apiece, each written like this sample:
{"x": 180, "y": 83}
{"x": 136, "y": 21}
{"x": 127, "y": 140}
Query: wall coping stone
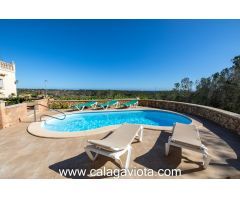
{"x": 15, "y": 105}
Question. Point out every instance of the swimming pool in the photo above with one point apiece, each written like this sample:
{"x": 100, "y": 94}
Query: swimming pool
{"x": 93, "y": 120}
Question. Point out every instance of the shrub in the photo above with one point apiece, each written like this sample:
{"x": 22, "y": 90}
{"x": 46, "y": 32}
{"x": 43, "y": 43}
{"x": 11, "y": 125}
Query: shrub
{"x": 59, "y": 105}
{"x": 14, "y": 100}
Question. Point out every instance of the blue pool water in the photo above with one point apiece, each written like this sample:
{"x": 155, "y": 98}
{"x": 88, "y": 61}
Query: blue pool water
{"x": 93, "y": 120}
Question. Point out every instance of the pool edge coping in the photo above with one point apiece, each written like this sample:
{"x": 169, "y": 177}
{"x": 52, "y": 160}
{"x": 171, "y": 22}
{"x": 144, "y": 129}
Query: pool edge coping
{"x": 36, "y": 129}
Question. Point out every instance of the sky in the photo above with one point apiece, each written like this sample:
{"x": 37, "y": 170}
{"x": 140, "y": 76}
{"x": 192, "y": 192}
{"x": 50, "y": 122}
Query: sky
{"x": 117, "y": 54}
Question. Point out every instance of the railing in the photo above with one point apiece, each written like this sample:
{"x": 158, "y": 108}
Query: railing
{"x": 46, "y": 115}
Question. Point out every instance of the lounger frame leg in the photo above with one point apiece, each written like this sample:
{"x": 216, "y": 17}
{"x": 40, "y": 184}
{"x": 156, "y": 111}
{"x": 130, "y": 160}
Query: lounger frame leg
{"x": 115, "y": 156}
{"x": 167, "y": 146}
{"x": 139, "y": 136}
{"x": 203, "y": 151}
{"x": 90, "y": 155}
{"x": 82, "y": 108}
{"x": 206, "y": 157}
{"x": 128, "y": 158}
{"x": 129, "y": 152}
{"x": 94, "y": 106}
{"x": 206, "y": 161}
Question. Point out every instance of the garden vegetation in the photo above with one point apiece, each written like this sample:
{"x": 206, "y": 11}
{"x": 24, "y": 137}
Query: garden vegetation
{"x": 220, "y": 90}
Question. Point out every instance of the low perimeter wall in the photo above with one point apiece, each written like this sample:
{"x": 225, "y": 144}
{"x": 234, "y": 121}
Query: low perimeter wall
{"x": 13, "y": 114}
{"x": 44, "y": 107}
{"x": 10, "y": 115}
{"x": 228, "y": 120}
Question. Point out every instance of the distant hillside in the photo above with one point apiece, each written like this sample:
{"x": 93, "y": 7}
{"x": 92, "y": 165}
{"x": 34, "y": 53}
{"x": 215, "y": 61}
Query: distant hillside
{"x": 221, "y": 90}
{"x": 94, "y": 94}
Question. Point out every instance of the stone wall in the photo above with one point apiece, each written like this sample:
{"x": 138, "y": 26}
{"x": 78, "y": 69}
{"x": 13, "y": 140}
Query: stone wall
{"x": 11, "y": 115}
{"x": 39, "y": 108}
{"x": 224, "y": 118}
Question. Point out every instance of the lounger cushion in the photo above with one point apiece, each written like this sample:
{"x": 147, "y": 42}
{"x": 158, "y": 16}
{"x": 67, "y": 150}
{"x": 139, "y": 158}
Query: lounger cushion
{"x": 109, "y": 103}
{"x": 186, "y": 135}
{"x": 130, "y": 103}
{"x": 119, "y": 139}
{"x": 88, "y": 104}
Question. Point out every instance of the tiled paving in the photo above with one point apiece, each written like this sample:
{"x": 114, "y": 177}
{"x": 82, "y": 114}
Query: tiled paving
{"x": 26, "y": 156}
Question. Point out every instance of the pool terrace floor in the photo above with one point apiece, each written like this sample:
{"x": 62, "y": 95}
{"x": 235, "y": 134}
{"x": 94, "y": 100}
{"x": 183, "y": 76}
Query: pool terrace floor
{"x": 26, "y": 156}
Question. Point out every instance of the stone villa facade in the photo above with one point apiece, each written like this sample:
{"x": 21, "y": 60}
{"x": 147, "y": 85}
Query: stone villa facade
{"x": 7, "y": 79}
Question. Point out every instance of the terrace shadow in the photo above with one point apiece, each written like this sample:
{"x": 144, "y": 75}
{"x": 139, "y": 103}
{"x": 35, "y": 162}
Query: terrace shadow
{"x": 81, "y": 162}
{"x": 155, "y": 158}
{"x": 226, "y": 138}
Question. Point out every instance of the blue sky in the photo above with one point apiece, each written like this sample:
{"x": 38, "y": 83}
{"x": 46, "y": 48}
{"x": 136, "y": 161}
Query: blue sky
{"x": 117, "y": 54}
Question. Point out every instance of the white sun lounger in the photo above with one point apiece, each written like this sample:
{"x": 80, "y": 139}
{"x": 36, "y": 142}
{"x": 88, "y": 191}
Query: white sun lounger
{"x": 187, "y": 136}
{"x": 116, "y": 144}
